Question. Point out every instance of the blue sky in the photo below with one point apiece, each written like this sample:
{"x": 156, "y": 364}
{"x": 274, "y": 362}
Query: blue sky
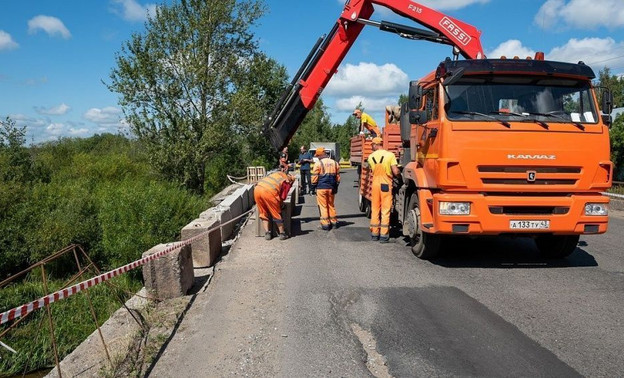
{"x": 54, "y": 54}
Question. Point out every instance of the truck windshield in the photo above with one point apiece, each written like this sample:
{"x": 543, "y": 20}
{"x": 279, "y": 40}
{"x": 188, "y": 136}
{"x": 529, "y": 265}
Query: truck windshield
{"x": 521, "y": 98}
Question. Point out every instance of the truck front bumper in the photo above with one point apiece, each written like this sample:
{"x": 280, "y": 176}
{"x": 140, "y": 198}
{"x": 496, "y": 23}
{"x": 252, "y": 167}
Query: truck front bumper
{"x": 495, "y": 214}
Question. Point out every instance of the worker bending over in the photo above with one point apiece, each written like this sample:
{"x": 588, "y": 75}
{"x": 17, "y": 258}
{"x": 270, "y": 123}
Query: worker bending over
{"x": 269, "y": 194}
{"x": 367, "y": 122}
{"x": 383, "y": 164}
{"x": 326, "y": 178}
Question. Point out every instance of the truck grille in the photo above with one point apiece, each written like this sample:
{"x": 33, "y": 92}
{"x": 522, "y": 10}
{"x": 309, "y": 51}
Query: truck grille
{"x": 529, "y": 175}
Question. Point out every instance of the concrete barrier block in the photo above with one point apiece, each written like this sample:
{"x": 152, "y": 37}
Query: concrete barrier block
{"x": 235, "y": 203}
{"x": 249, "y": 194}
{"x": 222, "y": 214}
{"x": 171, "y": 275}
{"x": 244, "y": 196}
{"x": 207, "y": 248}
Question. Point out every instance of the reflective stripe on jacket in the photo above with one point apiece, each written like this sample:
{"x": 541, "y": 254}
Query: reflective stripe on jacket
{"x": 273, "y": 182}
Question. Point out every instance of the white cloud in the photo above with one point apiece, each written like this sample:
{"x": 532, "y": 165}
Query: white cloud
{"x": 509, "y": 49}
{"x": 55, "y": 110}
{"x": 78, "y": 132}
{"x": 595, "y": 52}
{"x": 22, "y": 120}
{"x": 108, "y": 119}
{"x": 367, "y": 78}
{"x": 55, "y": 129}
{"x": 370, "y": 104}
{"x": 584, "y": 14}
{"x": 450, "y": 4}
{"x": 51, "y": 25}
{"x": 131, "y": 10}
{"x": 6, "y": 41}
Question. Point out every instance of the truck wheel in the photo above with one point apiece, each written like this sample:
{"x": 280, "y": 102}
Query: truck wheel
{"x": 368, "y": 210}
{"x": 424, "y": 245}
{"x": 361, "y": 203}
{"x": 557, "y": 246}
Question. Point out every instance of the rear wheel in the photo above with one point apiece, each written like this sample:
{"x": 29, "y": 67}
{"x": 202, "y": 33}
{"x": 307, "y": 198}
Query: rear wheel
{"x": 368, "y": 208}
{"x": 557, "y": 246}
{"x": 424, "y": 245}
{"x": 361, "y": 202}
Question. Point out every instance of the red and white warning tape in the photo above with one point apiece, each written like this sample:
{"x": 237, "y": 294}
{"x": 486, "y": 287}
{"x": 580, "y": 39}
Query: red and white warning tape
{"x": 27, "y": 308}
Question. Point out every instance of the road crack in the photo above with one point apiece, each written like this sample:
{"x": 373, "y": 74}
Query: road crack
{"x": 375, "y": 362}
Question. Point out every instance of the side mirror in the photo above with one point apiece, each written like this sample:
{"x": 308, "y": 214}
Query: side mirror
{"x": 417, "y": 117}
{"x": 606, "y": 119}
{"x": 607, "y": 101}
{"x": 414, "y": 95}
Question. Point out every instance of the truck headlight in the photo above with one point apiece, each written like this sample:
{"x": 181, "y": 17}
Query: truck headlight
{"x": 454, "y": 208}
{"x": 596, "y": 209}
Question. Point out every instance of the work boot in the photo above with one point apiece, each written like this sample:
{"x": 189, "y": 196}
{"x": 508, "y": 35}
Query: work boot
{"x": 383, "y": 239}
{"x": 267, "y": 236}
{"x": 283, "y": 236}
{"x": 334, "y": 225}
{"x": 374, "y": 238}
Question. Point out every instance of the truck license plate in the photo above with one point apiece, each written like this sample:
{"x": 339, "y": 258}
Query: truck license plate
{"x": 529, "y": 224}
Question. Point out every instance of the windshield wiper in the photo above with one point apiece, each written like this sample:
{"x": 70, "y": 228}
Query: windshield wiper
{"x": 504, "y": 123}
{"x": 552, "y": 115}
{"x": 541, "y": 123}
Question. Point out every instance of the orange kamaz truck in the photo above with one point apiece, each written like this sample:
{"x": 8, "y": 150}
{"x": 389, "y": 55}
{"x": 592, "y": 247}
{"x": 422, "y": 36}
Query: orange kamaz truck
{"x": 486, "y": 146}
{"x": 502, "y": 147}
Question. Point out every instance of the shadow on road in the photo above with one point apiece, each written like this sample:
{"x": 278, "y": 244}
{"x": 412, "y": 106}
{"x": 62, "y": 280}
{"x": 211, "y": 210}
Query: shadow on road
{"x": 505, "y": 252}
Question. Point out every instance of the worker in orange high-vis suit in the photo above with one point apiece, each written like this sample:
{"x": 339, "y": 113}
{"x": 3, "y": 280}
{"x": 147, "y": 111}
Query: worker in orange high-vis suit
{"x": 325, "y": 179}
{"x": 383, "y": 165}
{"x": 269, "y": 196}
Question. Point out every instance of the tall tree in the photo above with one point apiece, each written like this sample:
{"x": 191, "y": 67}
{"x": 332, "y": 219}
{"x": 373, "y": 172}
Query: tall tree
{"x": 15, "y": 160}
{"x": 177, "y": 83}
{"x": 614, "y": 83}
{"x": 316, "y": 127}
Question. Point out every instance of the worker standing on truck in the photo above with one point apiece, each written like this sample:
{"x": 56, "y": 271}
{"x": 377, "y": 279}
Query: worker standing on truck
{"x": 326, "y": 178}
{"x": 383, "y": 164}
{"x": 367, "y": 122}
{"x": 269, "y": 194}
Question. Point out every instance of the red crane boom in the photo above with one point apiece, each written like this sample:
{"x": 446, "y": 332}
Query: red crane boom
{"x": 329, "y": 51}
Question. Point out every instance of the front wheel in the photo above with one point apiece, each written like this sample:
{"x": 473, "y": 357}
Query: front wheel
{"x": 424, "y": 245}
{"x": 557, "y": 246}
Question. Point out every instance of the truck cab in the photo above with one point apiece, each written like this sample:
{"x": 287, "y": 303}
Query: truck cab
{"x": 505, "y": 147}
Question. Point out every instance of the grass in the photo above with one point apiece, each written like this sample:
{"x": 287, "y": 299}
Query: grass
{"x": 72, "y": 321}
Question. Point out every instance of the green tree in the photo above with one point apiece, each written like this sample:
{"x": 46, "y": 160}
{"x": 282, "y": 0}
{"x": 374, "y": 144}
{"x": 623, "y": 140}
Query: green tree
{"x": 614, "y": 83}
{"x": 177, "y": 82}
{"x": 616, "y": 134}
{"x": 316, "y": 127}
{"x": 15, "y": 160}
{"x": 343, "y": 134}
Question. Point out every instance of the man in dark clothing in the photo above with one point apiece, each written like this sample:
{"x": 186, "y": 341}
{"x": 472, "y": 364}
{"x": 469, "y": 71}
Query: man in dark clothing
{"x": 305, "y": 158}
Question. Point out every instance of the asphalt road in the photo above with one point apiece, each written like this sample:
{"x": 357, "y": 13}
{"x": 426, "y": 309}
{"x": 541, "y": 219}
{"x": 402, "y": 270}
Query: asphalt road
{"x": 337, "y": 304}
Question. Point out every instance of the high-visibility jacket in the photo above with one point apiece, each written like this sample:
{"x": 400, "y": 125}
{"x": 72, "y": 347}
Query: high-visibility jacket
{"x": 386, "y": 158}
{"x": 326, "y": 174}
{"x": 381, "y": 162}
{"x": 273, "y": 183}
